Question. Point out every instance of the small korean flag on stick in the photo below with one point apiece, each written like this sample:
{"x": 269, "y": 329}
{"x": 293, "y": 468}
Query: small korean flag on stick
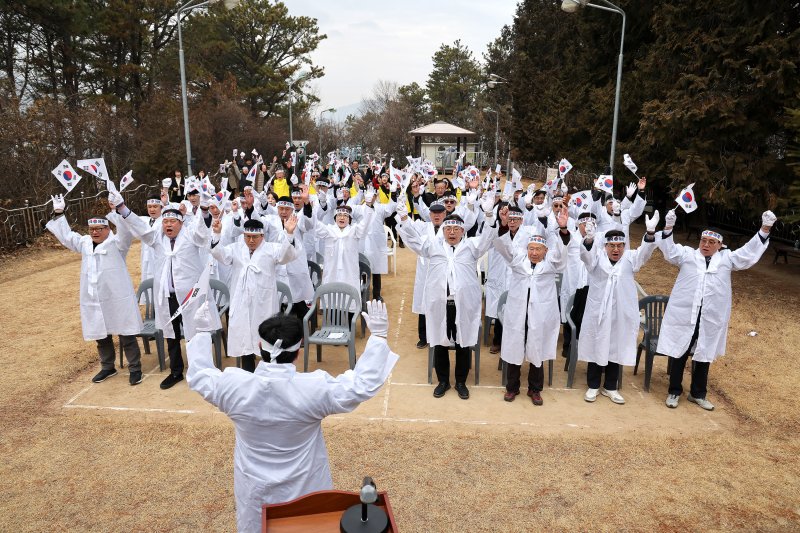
{"x": 196, "y": 294}
{"x": 126, "y": 180}
{"x": 605, "y": 183}
{"x": 96, "y": 167}
{"x": 686, "y": 199}
{"x": 66, "y": 175}
{"x": 628, "y": 162}
{"x": 251, "y": 176}
{"x": 563, "y": 167}
{"x": 582, "y": 201}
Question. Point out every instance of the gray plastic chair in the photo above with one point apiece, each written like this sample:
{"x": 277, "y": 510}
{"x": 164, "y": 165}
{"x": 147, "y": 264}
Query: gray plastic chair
{"x": 476, "y": 359}
{"x": 337, "y": 327}
{"x": 654, "y": 308}
{"x": 365, "y": 277}
{"x": 315, "y": 273}
{"x": 284, "y": 297}
{"x": 320, "y": 259}
{"x": 222, "y": 297}
{"x": 501, "y": 304}
{"x": 364, "y": 259}
{"x": 149, "y": 330}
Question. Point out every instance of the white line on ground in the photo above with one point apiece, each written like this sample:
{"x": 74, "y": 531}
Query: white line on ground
{"x": 77, "y": 395}
{"x": 133, "y": 409}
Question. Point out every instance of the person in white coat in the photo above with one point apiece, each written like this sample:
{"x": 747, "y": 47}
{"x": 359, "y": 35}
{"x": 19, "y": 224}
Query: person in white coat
{"x": 452, "y": 290}
{"x": 107, "y": 299}
{"x": 531, "y": 317}
{"x": 374, "y": 241}
{"x": 277, "y": 412}
{"x": 178, "y": 265}
{"x": 610, "y": 325}
{"x": 699, "y": 309}
{"x": 153, "y": 218}
{"x": 254, "y": 294}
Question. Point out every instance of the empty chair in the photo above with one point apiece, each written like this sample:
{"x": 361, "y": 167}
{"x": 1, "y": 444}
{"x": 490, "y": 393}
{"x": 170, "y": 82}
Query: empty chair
{"x": 654, "y": 308}
{"x": 149, "y": 331}
{"x": 284, "y": 297}
{"x": 337, "y": 325}
{"x": 476, "y": 359}
{"x": 365, "y": 277}
{"x": 391, "y": 247}
{"x": 222, "y": 298}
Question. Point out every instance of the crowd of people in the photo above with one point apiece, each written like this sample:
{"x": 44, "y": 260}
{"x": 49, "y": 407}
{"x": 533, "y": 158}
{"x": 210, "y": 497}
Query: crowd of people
{"x": 260, "y": 224}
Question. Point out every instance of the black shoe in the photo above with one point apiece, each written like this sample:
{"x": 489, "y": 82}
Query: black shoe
{"x": 462, "y": 390}
{"x": 171, "y": 380}
{"x": 440, "y": 389}
{"x": 104, "y": 375}
{"x": 421, "y": 344}
{"x": 136, "y": 377}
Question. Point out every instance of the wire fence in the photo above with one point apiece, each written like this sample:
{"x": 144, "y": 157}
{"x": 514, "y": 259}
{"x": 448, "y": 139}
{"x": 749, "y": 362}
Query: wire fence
{"x": 21, "y": 226}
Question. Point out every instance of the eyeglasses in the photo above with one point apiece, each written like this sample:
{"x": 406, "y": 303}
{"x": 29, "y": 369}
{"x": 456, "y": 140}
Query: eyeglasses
{"x": 616, "y": 245}
{"x": 449, "y": 201}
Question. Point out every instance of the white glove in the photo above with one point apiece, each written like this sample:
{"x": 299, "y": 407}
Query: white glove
{"x": 58, "y": 203}
{"x": 369, "y": 195}
{"x": 591, "y": 227}
{"x": 472, "y": 196}
{"x": 542, "y": 210}
{"x": 294, "y": 180}
{"x": 235, "y": 152}
{"x": 377, "y": 318}
{"x": 115, "y": 198}
{"x": 630, "y": 189}
{"x": 652, "y": 222}
{"x": 487, "y": 202}
{"x": 202, "y": 318}
{"x": 616, "y": 207}
{"x": 670, "y": 219}
{"x": 166, "y": 182}
{"x": 768, "y": 219}
{"x": 401, "y": 210}
{"x": 529, "y": 197}
{"x": 205, "y": 200}
{"x": 564, "y": 187}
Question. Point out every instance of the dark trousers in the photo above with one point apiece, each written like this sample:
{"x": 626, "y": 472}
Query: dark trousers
{"x": 441, "y": 357}
{"x": 421, "y": 329}
{"x": 174, "y": 345}
{"x": 698, "y": 388}
{"x": 535, "y": 377}
{"x": 376, "y": 286}
{"x": 249, "y": 362}
{"x": 595, "y": 371}
{"x": 578, "y": 307}
{"x": 498, "y": 333}
{"x": 128, "y": 345}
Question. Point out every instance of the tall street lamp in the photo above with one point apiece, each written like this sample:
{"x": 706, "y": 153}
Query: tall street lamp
{"x": 571, "y": 6}
{"x": 187, "y": 6}
{"x": 300, "y": 77}
{"x": 329, "y": 110}
{"x": 496, "y": 131}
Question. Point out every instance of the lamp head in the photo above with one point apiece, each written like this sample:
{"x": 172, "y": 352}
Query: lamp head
{"x": 571, "y": 6}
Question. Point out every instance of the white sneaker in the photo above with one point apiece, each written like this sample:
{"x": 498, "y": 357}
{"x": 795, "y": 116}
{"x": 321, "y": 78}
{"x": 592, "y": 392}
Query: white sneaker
{"x": 613, "y": 395}
{"x": 591, "y": 395}
{"x": 672, "y": 401}
{"x": 702, "y": 402}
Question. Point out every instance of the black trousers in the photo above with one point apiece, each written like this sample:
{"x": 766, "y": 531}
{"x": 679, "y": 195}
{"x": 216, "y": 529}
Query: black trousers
{"x": 595, "y": 371}
{"x": 128, "y": 345}
{"x": 699, "y": 386}
{"x": 441, "y": 357}
{"x": 174, "y": 345}
{"x": 376, "y": 286}
{"x": 578, "y": 308}
{"x": 498, "y": 333}
{"x": 249, "y": 362}
{"x": 535, "y": 377}
{"x": 421, "y": 329}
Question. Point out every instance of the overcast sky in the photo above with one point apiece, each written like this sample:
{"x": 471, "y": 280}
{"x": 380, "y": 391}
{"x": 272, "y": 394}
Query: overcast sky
{"x": 392, "y": 41}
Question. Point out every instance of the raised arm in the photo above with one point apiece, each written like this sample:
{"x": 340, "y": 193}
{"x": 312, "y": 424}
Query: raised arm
{"x": 749, "y": 254}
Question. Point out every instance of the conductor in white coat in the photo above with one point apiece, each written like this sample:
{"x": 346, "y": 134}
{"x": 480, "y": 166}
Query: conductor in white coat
{"x": 254, "y": 294}
{"x": 610, "y": 323}
{"x": 107, "y": 300}
{"x": 531, "y": 317}
{"x": 700, "y": 303}
{"x": 277, "y": 412}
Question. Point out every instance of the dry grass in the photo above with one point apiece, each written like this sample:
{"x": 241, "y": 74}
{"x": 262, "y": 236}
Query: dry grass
{"x": 73, "y": 470}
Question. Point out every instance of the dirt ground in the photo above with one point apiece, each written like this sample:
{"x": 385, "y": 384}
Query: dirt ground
{"x": 110, "y": 457}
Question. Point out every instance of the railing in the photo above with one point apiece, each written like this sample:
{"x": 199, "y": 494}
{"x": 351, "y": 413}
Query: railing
{"x": 22, "y": 225}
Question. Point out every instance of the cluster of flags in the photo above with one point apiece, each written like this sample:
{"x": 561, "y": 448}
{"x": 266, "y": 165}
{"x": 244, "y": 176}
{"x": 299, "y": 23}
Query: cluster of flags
{"x": 69, "y": 178}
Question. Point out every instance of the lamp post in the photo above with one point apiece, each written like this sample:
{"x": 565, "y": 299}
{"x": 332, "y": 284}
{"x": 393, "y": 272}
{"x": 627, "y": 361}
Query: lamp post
{"x": 300, "y": 77}
{"x": 187, "y": 6}
{"x": 329, "y": 110}
{"x": 571, "y": 6}
{"x": 496, "y": 131}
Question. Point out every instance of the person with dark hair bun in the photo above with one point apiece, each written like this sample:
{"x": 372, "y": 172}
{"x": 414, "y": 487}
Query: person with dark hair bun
{"x": 277, "y": 412}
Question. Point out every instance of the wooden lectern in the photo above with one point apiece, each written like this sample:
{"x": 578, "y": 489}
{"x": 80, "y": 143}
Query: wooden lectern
{"x": 318, "y": 512}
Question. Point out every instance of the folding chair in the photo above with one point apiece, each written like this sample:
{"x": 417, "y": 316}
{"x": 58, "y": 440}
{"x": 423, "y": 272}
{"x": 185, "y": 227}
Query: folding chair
{"x": 337, "y": 327}
{"x": 391, "y": 249}
{"x": 222, "y": 298}
{"x": 149, "y": 330}
{"x": 476, "y": 357}
{"x": 284, "y": 297}
{"x": 365, "y": 276}
{"x": 362, "y": 258}
{"x": 654, "y": 308}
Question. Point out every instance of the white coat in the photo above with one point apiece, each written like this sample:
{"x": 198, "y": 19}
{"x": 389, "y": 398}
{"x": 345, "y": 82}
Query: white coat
{"x": 373, "y": 245}
{"x": 610, "y": 326}
{"x": 254, "y": 294}
{"x": 541, "y": 308}
{"x": 184, "y": 262}
{"x": 709, "y": 287}
{"x": 458, "y": 265}
{"x": 574, "y": 276}
{"x": 107, "y": 300}
{"x": 294, "y": 273}
{"x": 497, "y": 278}
{"x": 147, "y": 252}
{"x": 277, "y": 412}
{"x": 341, "y": 253}
{"x": 424, "y": 230}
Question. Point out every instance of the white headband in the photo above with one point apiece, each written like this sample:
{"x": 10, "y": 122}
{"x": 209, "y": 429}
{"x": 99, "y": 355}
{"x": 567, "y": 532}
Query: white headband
{"x": 615, "y": 238}
{"x": 712, "y": 234}
{"x": 254, "y": 231}
{"x": 284, "y": 203}
{"x": 172, "y": 214}
{"x": 275, "y": 350}
{"x": 514, "y": 214}
{"x": 453, "y": 222}
{"x": 153, "y": 201}
{"x": 538, "y": 239}
{"x": 342, "y": 211}
{"x": 98, "y": 222}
